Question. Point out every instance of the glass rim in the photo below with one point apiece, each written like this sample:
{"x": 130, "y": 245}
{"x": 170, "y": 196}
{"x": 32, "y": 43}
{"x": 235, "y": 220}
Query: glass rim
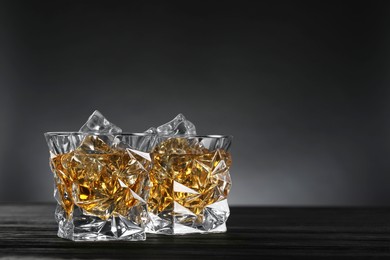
{"x": 198, "y": 136}
{"x": 65, "y": 133}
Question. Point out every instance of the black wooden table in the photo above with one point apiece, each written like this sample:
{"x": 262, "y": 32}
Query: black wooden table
{"x": 29, "y": 231}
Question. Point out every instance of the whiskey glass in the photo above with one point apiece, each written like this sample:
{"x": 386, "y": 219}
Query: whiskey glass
{"x": 190, "y": 183}
{"x": 101, "y": 184}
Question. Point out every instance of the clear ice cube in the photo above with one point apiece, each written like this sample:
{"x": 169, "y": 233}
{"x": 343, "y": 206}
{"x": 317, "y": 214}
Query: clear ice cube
{"x": 97, "y": 123}
{"x": 178, "y": 126}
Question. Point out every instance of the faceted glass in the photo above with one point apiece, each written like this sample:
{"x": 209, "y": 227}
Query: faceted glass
{"x": 190, "y": 183}
{"x": 101, "y": 184}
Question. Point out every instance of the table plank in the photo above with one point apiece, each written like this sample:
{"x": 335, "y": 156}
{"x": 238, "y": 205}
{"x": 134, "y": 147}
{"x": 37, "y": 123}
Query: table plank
{"x": 30, "y": 230}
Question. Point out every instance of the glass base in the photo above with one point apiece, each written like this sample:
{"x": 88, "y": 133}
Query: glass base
{"x": 181, "y": 221}
{"x": 81, "y": 227}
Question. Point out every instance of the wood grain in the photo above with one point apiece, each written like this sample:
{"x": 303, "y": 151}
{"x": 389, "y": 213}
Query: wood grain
{"x": 29, "y": 230}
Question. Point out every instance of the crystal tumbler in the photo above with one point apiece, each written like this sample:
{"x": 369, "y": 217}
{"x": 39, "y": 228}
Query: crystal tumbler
{"x": 190, "y": 183}
{"x": 101, "y": 184}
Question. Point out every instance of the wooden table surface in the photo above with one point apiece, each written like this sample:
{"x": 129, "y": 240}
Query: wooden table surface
{"x": 29, "y": 231}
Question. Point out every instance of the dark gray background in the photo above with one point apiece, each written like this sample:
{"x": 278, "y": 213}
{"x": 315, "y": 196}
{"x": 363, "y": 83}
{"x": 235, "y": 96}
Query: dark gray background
{"x": 302, "y": 86}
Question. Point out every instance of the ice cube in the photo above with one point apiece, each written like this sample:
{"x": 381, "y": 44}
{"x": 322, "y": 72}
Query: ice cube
{"x": 178, "y": 126}
{"x": 97, "y": 123}
{"x": 95, "y": 145}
